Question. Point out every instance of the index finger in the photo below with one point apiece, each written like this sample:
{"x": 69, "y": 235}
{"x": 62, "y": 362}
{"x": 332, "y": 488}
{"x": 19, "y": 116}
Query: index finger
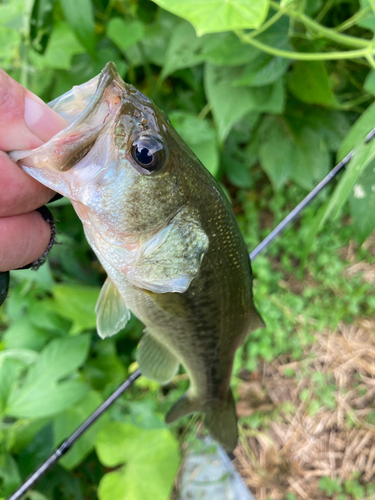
{"x": 25, "y": 120}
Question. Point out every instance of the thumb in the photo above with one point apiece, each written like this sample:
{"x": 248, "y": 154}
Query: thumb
{"x": 26, "y": 121}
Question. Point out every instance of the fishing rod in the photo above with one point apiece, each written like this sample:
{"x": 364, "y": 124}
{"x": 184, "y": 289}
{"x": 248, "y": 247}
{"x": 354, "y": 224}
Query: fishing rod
{"x": 68, "y": 443}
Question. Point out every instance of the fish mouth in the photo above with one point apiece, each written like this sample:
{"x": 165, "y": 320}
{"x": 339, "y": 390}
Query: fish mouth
{"x": 88, "y": 109}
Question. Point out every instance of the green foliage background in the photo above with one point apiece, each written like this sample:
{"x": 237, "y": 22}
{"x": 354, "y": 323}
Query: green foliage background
{"x": 269, "y": 95}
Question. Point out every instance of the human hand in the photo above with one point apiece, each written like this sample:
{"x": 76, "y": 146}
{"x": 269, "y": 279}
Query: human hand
{"x": 26, "y": 122}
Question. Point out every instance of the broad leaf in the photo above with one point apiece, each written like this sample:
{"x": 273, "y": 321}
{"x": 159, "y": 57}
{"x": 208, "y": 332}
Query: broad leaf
{"x": 266, "y": 69}
{"x": 230, "y": 104}
{"x": 184, "y": 49}
{"x": 123, "y": 33}
{"x": 80, "y": 16}
{"x": 9, "y": 474}
{"x": 226, "y": 49}
{"x": 309, "y": 83}
{"x": 362, "y": 203}
{"x": 9, "y": 45}
{"x": 68, "y": 421}
{"x": 41, "y": 394}
{"x": 215, "y": 16}
{"x": 61, "y": 48}
{"x": 148, "y": 453}
{"x": 357, "y": 134}
{"x": 38, "y": 401}
{"x": 11, "y": 14}
{"x": 369, "y": 84}
{"x": 41, "y": 24}
{"x": 288, "y": 150}
{"x": 275, "y": 150}
{"x": 76, "y": 303}
{"x": 200, "y": 137}
{"x": 10, "y": 370}
{"x": 363, "y": 156}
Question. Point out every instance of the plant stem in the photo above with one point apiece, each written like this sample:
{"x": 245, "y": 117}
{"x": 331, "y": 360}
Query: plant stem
{"x": 353, "y": 20}
{"x": 204, "y": 111}
{"x": 324, "y": 10}
{"x": 303, "y": 56}
{"x": 349, "y": 41}
{"x": 267, "y": 24}
{"x": 371, "y": 60}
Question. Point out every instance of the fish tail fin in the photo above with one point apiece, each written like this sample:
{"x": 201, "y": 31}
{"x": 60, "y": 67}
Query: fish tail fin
{"x": 219, "y": 416}
{"x": 221, "y": 420}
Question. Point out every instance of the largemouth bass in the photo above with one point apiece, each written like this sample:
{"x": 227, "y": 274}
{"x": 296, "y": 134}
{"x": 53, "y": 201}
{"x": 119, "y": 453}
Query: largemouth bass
{"x": 166, "y": 235}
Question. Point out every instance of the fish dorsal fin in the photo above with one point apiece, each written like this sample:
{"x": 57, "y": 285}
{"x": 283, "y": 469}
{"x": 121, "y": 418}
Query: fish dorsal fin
{"x": 155, "y": 361}
{"x": 171, "y": 259}
{"x": 112, "y": 313}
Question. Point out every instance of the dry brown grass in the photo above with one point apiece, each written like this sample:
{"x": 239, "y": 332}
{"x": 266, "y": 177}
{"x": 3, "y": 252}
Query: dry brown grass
{"x": 301, "y": 446}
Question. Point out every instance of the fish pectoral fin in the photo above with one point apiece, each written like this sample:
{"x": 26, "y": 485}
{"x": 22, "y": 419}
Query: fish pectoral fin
{"x": 171, "y": 259}
{"x": 112, "y": 313}
{"x": 155, "y": 361}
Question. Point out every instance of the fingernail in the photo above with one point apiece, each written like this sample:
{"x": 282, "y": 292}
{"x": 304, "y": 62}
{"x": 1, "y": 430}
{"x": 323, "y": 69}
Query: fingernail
{"x": 33, "y": 114}
{"x": 41, "y": 120}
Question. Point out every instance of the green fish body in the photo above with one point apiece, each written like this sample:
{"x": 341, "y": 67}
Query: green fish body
{"x": 164, "y": 232}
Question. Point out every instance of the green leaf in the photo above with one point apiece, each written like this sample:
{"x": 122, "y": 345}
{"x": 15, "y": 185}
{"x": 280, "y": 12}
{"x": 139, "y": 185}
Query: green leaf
{"x": 76, "y": 303}
{"x": 42, "y": 395}
{"x": 80, "y": 17}
{"x": 10, "y": 41}
{"x": 332, "y": 126}
{"x": 184, "y": 49}
{"x": 238, "y": 174}
{"x": 124, "y": 33}
{"x": 363, "y": 157}
{"x": 200, "y": 137}
{"x": 226, "y": 49}
{"x": 263, "y": 71}
{"x": 40, "y": 401}
{"x": 62, "y": 46}
{"x": 230, "y": 104}
{"x": 11, "y": 14}
{"x": 214, "y": 16}
{"x": 22, "y": 334}
{"x": 157, "y": 36}
{"x": 275, "y": 150}
{"x": 59, "y": 358}
{"x": 104, "y": 367}
{"x": 41, "y": 24}
{"x": 68, "y": 421}
{"x": 288, "y": 150}
{"x": 368, "y": 20}
{"x": 43, "y": 278}
{"x": 9, "y": 475}
{"x": 309, "y": 83}
{"x": 148, "y": 453}
{"x": 310, "y": 158}
{"x": 362, "y": 203}
{"x": 369, "y": 84}
{"x": 358, "y": 132}
{"x": 10, "y": 370}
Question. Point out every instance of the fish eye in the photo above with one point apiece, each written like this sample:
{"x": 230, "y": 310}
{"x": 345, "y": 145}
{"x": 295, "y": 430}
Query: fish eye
{"x": 149, "y": 153}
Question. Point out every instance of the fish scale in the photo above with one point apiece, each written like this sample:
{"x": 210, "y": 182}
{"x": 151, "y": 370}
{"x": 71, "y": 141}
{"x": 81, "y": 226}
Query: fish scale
{"x": 166, "y": 235}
